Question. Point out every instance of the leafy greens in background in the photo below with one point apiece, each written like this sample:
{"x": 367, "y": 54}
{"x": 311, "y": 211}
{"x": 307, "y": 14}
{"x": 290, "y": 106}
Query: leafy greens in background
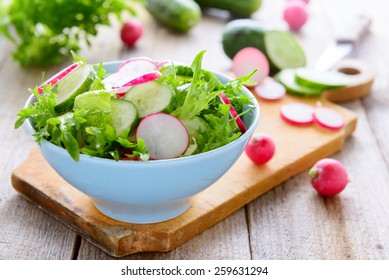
{"x": 45, "y": 31}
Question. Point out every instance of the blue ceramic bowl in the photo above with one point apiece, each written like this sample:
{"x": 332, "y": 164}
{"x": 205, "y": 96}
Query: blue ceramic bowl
{"x": 152, "y": 191}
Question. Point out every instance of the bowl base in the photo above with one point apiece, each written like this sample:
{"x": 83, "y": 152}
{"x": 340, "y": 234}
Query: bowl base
{"x": 142, "y": 213}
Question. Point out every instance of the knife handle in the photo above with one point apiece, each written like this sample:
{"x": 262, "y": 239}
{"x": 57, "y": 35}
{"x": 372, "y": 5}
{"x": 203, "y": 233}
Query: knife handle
{"x": 353, "y": 31}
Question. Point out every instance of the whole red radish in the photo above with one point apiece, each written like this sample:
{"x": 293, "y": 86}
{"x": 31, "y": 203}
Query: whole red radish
{"x": 329, "y": 177}
{"x": 260, "y": 148}
{"x": 295, "y": 14}
{"x": 131, "y": 31}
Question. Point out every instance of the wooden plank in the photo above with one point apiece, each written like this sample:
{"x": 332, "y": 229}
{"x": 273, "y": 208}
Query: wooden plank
{"x": 294, "y": 222}
{"x": 39, "y": 183}
{"x": 227, "y": 240}
{"x": 26, "y": 232}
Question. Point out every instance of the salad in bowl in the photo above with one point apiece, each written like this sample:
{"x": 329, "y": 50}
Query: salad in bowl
{"x": 141, "y": 137}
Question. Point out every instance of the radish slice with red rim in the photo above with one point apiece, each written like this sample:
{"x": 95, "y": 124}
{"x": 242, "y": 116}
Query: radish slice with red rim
{"x": 138, "y": 65}
{"x": 249, "y": 59}
{"x": 233, "y": 113}
{"x": 132, "y": 72}
{"x": 164, "y": 135}
{"x": 297, "y": 113}
{"x": 122, "y": 81}
{"x": 328, "y": 118}
{"x": 59, "y": 76}
{"x": 270, "y": 90}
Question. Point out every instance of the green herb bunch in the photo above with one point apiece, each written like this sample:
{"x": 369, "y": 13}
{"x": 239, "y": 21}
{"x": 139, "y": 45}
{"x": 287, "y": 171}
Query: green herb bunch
{"x": 44, "y": 31}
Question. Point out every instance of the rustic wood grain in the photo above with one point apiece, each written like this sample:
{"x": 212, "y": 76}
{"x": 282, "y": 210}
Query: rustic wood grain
{"x": 26, "y": 232}
{"x": 342, "y": 227}
{"x": 346, "y": 226}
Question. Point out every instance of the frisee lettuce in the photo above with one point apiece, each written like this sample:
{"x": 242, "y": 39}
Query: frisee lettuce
{"x": 44, "y": 32}
{"x": 87, "y": 128}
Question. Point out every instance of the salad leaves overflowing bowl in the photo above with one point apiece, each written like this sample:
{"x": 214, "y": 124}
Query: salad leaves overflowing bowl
{"x": 141, "y": 137}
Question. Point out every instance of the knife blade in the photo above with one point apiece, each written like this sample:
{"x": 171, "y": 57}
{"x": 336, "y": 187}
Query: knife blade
{"x": 344, "y": 43}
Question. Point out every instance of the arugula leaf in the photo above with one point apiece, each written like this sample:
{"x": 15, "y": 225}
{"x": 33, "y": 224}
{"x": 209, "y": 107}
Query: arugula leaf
{"x": 45, "y": 31}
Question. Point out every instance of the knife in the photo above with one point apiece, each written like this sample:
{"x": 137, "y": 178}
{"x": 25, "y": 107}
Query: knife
{"x": 344, "y": 43}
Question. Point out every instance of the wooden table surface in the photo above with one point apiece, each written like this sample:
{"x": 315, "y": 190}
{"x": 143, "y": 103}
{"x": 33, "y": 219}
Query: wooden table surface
{"x": 289, "y": 222}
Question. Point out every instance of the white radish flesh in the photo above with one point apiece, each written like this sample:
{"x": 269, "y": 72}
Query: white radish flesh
{"x": 132, "y": 72}
{"x": 328, "y": 118}
{"x": 270, "y": 90}
{"x": 233, "y": 112}
{"x": 249, "y": 59}
{"x": 297, "y": 113}
{"x": 164, "y": 135}
{"x": 120, "y": 80}
{"x": 138, "y": 64}
{"x": 59, "y": 76}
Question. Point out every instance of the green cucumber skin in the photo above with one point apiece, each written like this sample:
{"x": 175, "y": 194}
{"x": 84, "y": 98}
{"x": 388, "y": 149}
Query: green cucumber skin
{"x": 301, "y": 91}
{"x": 236, "y": 7}
{"x": 310, "y": 84}
{"x": 179, "y": 15}
{"x": 241, "y": 33}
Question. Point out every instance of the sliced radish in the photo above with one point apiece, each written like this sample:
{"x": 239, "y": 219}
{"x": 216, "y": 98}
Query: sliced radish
{"x": 297, "y": 113}
{"x": 328, "y": 118}
{"x": 249, "y": 59}
{"x": 120, "y": 92}
{"x": 233, "y": 112}
{"x": 270, "y": 90}
{"x": 164, "y": 135}
{"x": 122, "y": 81}
{"x": 59, "y": 76}
{"x": 132, "y": 72}
{"x": 138, "y": 65}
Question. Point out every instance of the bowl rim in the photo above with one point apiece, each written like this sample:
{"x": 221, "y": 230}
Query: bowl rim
{"x": 250, "y": 130}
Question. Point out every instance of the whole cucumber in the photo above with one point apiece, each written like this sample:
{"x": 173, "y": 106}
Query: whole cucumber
{"x": 179, "y": 15}
{"x": 237, "y": 7}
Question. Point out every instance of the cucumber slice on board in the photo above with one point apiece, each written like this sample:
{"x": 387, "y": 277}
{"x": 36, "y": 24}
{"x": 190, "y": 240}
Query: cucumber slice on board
{"x": 283, "y": 50}
{"x": 321, "y": 79}
{"x": 150, "y": 98}
{"x": 72, "y": 85}
{"x": 287, "y": 77}
{"x": 124, "y": 116}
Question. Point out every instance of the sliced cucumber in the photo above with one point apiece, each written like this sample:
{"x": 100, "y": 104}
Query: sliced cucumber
{"x": 72, "y": 85}
{"x": 287, "y": 77}
{"x": 150, "y": 98}
{"x": 283, "y": 50}
{"x": 321, "y": 79}
{"x": 124, "y": 116}
{"x": 194, "y": 126}
{"x": 93, "y": 100}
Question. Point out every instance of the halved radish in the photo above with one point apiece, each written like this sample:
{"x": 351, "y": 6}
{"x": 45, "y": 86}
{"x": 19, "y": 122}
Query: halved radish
{"x": 164, "y": 135}
{"x": 59, "y": 76}
{"x": 233, "y": 113}
{"x": 249, "y": 59}
{"x": 270, "y": 89}
{"x": 297, "y": 113}
{"x": 328, "y": 118}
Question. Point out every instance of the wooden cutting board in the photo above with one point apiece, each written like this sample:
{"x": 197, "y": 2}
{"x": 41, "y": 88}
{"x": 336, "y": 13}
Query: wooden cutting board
{"x": 297, "y": 149}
